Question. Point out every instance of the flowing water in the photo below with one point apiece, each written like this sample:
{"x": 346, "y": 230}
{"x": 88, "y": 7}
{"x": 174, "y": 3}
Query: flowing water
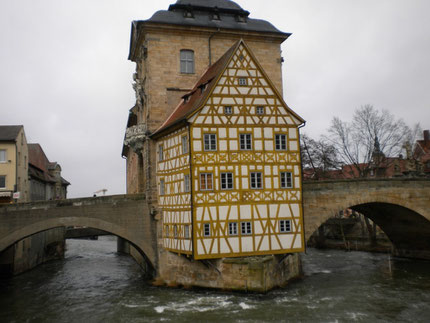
{"x": 95, "y": 284}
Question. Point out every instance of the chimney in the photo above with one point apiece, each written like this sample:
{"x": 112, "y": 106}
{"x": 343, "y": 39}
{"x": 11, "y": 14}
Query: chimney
{"x": 426, "y": 135}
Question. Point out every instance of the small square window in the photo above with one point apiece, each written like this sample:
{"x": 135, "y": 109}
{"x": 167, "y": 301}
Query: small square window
{"x": 232, "y": 228}
{"x": 184, "y": 144}
{"x": 206, "y": 182}
{"x": 243, "y": 81}
{"x": 207, "y": 229}
{"x": 260, "y": 110}
{"x": 284, "y": 226}
{"x": 246, "y": 228}
{"x": 187, "y": 182}
{"x": 160, "y": 153}
{"x": 256, "y": 180}
{"x": 226, "y": 181}
{"x": 228, "y": 110}
{"x": 280, "y": 142}
{"x": 162, "y": 187}
{"x": 286, "y": 180}
{"x": 245, "y": 141}
{"x": 209, "y": 140}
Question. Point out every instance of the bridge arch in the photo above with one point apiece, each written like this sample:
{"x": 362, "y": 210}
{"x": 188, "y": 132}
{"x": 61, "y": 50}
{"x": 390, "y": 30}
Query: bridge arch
{"x": 400, "y": 207}
{"x": 126, "y": 216}
{"x": 52, "y": 223}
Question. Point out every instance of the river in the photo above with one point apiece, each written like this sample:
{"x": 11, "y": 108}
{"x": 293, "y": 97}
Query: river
{"x": 95, "y": 284}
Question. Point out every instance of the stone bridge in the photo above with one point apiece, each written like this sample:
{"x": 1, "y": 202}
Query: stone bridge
{"x": 400, "y": 207}
{"x": 126, "y": 216}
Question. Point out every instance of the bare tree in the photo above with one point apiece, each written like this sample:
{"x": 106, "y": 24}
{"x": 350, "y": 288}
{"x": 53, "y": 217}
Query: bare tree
{"x": 318, "y": 156}
{"x": 370, "y": 131}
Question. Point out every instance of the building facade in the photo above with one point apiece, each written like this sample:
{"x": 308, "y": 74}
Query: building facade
{"x": 13, "y": 164}
{"x": 228, "y": 165}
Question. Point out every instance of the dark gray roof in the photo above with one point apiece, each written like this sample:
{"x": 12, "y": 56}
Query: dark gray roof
{"x": 222, "y": 4}
{"x": 232, "y": 16}
{"x": 9, "y": 133}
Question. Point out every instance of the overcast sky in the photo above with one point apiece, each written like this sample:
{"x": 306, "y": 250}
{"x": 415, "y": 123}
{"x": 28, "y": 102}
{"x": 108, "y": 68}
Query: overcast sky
{"x": 65, "y": 76}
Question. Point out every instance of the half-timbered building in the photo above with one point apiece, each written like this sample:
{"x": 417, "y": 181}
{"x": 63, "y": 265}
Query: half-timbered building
{"x": 228, "y": 165}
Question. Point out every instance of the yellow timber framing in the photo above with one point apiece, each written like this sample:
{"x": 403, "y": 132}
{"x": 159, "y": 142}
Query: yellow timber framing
{"x": 257, "y": 199}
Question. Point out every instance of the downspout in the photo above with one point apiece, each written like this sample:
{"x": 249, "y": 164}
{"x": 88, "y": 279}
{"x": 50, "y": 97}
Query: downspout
{"x": 301, "y": 185}
{"x": 209, "y": 45}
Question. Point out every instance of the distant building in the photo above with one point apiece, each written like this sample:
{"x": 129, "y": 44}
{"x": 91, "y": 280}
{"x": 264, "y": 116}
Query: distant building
{"x": 13, "y": 164}
{"x": 415, "y": 163}
{"x": 45, "y": 178}
{"x": 26, "y": 171}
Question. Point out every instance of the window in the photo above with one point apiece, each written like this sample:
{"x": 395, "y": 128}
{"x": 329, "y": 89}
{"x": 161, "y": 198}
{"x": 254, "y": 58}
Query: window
{"x": 175, "y": 231}
{"x": 161, "y": 186}
{"x": 256, "y": 180}
{"x": 284, "y": 226}
{"x": 3, "y": 156}
{"x": 187, "y": 187}
{"x": 226, "y": 181}
{"x": 2, "y": 181}
{"x": 260, "y": 110}
{"x": 245, "y": 228}
{"x": 206, "y": 182}
{"x": 209, "y": 141}
{"x": 232, "y": 228}
{"x": 186, "y": 231}
{"x": 166, "y": 230}
{"x": 160, "y": 153}
{"x": 245, "y": 141}
{"x": 184, "y": 144}
{"x": 286, "y": 180}
{"x": 187, "y": 61}
{"x": 243, "y": 81}
{"x": 207, "y": 229}
{"x": 280, "y": 142}
{"x": 228, "y": 110}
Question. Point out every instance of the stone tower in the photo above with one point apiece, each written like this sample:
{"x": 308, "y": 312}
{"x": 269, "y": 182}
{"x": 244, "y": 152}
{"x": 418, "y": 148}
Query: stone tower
{"x": 171, "y": 51}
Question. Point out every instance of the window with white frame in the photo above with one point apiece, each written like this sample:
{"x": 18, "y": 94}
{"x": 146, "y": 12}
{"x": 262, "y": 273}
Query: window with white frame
{"x": 160, "y": 153}
{"x": 245, "y": 141}
{"x": 206, "y": 183}
{"x": 186, "y": 231}
{"x": 207, "y": 229}
{"x": 284, "y": 226}
{"x": 3, "y": 156}
{"x": 228, "y": 110}
{"x": 2, "y": 181}
{"x": 286, "y": 180}
{"x": 243, "y": 81}
{"x": 246, "y": 228}
{"x": 184, "y": 144}
{"x": 187, "y": 186}
{"x": 280, "y": 142}
{"x": 187, "y": 61}
{"x": 260, "y": 110}
{"x": 209, "y": 140}
{"x": 226, "y": 181}
{"x": 232, "y": 228}
{"x": 256, "y": 180}
{"x": 161, "y": 186}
